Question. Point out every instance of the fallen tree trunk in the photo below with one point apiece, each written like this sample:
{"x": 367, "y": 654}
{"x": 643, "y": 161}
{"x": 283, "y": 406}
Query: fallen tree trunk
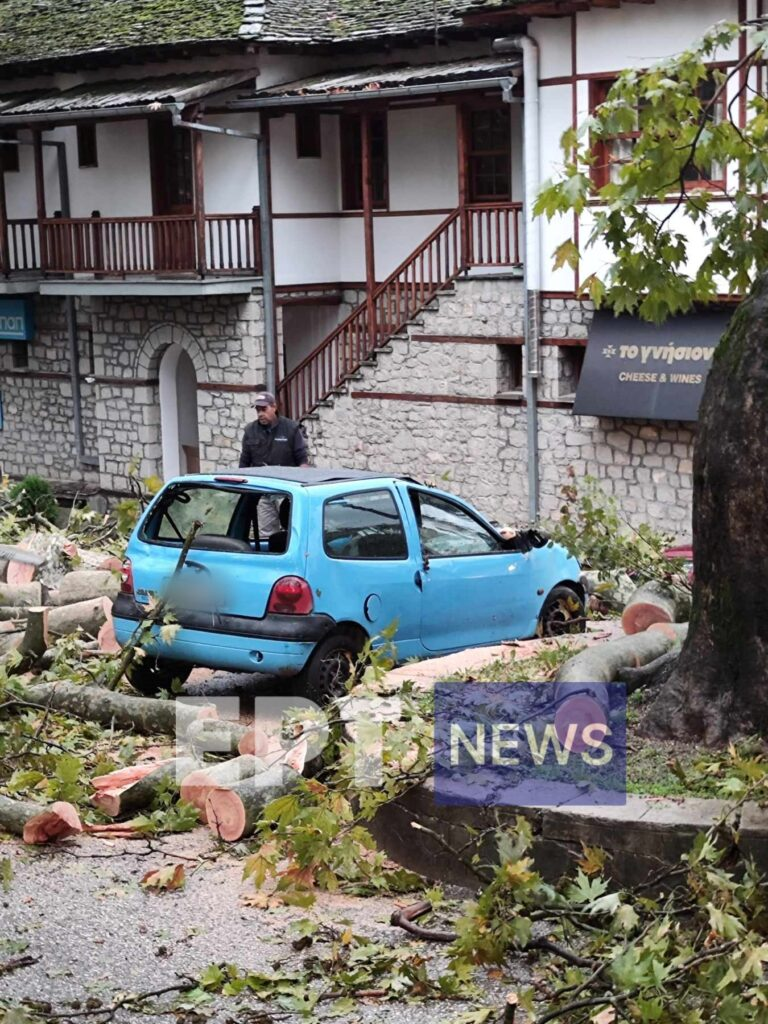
{"x": 214, "y": 736}
{"x": 140, "y": 793}
{"x": 601, "y": 663}
{"x": 653, "y": 674}
{"x": 198, "y": 784}
{"x": 36, "y": 824}
{"x": 232, "y": 813}
{"x": 89, "y": 616}
{"x": 10, "y": 612}
{"x": 140, "y": 714}
{"x": 84, "y": 585}
{"x": 21, "y": 595}
{"x": 654, "y": 602}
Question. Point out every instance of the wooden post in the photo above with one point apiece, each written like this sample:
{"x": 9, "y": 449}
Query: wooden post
{"x": 370, "y": 254}
{"x": 461, "y": 150}
{"x": 5, "y": 263}
{"x": 197, "y": 153}
{"x": 37, "y": 142}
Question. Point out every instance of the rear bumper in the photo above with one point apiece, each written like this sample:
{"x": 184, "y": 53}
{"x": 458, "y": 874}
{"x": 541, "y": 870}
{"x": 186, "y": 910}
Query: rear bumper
{"x": 276, "y": 644}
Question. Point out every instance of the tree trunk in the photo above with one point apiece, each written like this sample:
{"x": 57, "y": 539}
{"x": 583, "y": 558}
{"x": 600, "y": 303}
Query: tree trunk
{"x": 141, "y": 714}
{"x": 232, "y": 813}
{"x": 214, "y": 736}
{"x": 719, "y": 688}
{"x": 196, "y": 786}
{"x": 89, "y": 616}
{"x": 84, "y": 585}
{"x": 125, "y": 799}
{"x": 21, "y": 595}
{"x": 655, "y": 602}
{"x": 38, "y": 824}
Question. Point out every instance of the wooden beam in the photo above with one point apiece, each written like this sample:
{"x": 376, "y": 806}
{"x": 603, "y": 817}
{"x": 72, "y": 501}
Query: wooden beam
{"x": 197, "y": 156}
{"x": 5, "y": 265}
{"x": 370, "y": 251}
{"x": 37, "y": 149}
{"x": 461, "y": 156}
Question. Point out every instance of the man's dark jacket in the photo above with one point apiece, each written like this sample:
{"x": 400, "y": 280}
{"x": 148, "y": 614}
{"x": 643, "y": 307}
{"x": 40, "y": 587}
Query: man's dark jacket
{"x": 282, "y": 444}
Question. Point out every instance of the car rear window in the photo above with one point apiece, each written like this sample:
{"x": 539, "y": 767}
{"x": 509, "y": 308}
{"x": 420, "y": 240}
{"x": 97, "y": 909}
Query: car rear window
{"x": 366, "y": 524}
{"x": 229, "y": 517}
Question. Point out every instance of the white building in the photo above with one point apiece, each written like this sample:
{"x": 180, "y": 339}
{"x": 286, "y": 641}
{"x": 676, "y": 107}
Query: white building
{"x": 359, "y": 239}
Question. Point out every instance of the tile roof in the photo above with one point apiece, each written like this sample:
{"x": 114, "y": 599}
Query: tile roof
{"x": 371, "y": 79}
{"x": 49, "y": 29}
{"x": 112, "y": 94}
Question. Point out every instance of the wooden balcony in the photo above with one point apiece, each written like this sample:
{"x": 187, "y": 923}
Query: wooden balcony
{"x": 184, "y": 246}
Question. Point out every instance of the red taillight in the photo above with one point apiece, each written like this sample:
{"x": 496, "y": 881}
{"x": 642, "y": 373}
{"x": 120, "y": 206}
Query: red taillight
{"x": 291, "y": 595}
{"x": 126, "y": 578}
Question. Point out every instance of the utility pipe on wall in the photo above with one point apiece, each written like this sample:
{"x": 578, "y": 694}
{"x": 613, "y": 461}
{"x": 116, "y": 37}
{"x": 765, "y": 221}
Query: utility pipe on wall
{"x": 532, "y": 265}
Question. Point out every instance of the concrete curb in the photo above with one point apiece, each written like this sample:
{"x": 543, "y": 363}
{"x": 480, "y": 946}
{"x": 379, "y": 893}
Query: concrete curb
{"x": 642, "y": 838}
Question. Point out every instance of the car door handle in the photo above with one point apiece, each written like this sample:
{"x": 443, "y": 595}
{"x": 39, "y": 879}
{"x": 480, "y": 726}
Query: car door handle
{"x": 417, "y": 580}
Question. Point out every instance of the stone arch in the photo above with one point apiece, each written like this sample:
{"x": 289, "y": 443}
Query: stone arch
{"x": 157, "y": 340}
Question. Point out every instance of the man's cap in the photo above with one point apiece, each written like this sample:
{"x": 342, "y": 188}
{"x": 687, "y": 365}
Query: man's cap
{"x": 264, "y": 398}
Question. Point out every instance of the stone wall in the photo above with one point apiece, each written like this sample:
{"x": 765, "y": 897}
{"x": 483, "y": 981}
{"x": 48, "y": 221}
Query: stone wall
{"x": 452, "y": 425}
{"x": 120, "y": 366}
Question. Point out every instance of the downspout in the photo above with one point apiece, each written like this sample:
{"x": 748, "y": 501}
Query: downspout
{"x": 265, "y": 233}
{"x": 532, "y": 264}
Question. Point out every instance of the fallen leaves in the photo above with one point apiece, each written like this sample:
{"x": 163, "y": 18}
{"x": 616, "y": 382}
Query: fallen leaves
{"x": 165, "y": 879}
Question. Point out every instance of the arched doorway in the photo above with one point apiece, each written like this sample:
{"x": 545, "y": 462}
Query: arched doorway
{"x": 178, "y": 413}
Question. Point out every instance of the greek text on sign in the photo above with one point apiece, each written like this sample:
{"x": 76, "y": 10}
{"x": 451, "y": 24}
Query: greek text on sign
{"x": 634, "y": 369}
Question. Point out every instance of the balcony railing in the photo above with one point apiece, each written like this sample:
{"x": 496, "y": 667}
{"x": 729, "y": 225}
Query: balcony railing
{"x": 124, "y": 246}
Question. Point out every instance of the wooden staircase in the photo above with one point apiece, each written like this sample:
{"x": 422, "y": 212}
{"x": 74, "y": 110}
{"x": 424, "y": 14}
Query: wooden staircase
{"x": 472, "y": 236}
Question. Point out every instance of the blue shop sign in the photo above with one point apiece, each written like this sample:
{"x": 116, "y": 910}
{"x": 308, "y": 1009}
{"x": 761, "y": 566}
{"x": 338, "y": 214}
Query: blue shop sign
{"x": 17, "y": 321}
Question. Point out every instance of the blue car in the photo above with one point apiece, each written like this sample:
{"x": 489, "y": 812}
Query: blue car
{"x": 356, "y": 552}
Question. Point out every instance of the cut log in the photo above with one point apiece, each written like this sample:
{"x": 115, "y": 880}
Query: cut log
{"x": 22, "y": 595}
{"x": 139, "y": 794}
{"x": 106, "y": 638}
{"x": 19, "y": 572}
{"x": 602, "y": 663}
{"x": 198, "y": 784}
{"x": 89, "y": 616}
{"x": 140, "y": 714}
{"x": 214, "y": 736}
{"x": 654, "y": 602}
{"x": 37, "y": 824}
{"x": 34, "y": 642}
{"x": 124, "y": 777}
{"x": 674, "y": 631}
{"x": 256, "y": 742}
{"x": 10, "y": 642}
{"x": 9, "y": 613}
{"x": 84, "y": 585}
{"x": 232, "y": 813}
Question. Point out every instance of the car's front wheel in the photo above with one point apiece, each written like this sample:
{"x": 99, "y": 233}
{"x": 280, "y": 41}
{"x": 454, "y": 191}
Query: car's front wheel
{"x": 150, "y": 675}
{"x": 331, "y": 666}
{"x": 562, "y": 612}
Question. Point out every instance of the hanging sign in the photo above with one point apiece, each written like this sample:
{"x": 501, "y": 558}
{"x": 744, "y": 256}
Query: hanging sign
{"x": 637, "y": 370}
{"x": 17, "y": 321}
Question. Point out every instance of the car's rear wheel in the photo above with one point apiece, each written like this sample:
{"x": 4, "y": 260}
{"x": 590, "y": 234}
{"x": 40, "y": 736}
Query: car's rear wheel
{"x": 332, "y": 664}
{"x": 562, "y": 612}
{"x": 150, "y": 675}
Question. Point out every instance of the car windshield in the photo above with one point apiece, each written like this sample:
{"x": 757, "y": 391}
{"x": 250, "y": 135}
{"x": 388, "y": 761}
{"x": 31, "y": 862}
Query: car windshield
{"x": 232, "y": 520}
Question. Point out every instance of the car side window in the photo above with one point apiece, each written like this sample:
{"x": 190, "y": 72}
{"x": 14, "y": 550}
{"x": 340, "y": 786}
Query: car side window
{"x": 214, "y": 508}
{"x": 364, "y": 525}
{"x": 448, "y": 530}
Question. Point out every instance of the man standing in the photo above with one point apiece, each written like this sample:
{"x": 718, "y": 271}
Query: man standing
{"x": 271, "y": 440}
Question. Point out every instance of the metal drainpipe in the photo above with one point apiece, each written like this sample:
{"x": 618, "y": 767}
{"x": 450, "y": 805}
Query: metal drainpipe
{"x": 265, "y": 233}
{"x": 532, "y": 265}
